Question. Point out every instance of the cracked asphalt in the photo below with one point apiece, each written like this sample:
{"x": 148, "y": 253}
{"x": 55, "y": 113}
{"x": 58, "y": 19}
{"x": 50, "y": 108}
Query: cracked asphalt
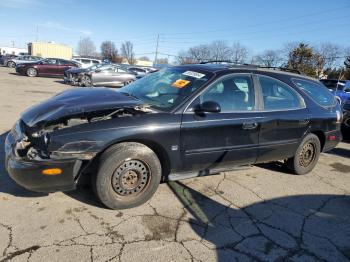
{"x": 259, "y": 214}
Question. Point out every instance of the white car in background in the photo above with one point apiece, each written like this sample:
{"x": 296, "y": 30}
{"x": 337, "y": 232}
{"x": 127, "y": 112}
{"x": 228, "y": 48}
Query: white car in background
{"x": 87, "y": 62}
{"x": 13, "y": 62}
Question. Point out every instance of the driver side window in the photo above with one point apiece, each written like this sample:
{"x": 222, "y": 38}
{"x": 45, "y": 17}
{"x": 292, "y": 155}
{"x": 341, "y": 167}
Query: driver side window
{"x": 232, "y": 93}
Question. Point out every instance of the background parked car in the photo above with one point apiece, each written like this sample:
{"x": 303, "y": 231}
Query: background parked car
{"x": 46, "y": 67}
{"x": 110, "y": 75}
{"x": 4, "y": 58}
{"x": 74, "y": 75}
{"x": 87, "y": 62}
{"x": 12, "y": 62}
{"x": 339, "y": 88}
{"x": 140, "y": 72}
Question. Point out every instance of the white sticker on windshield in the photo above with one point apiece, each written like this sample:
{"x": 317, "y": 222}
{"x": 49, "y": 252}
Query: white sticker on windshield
{"x": 193, "y": 74}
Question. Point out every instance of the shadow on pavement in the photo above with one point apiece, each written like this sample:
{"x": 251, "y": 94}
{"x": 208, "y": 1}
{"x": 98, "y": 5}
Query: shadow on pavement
{"x": 7, "y": 185}
{"x": 293, "y": 228}
{"x": 61, "y": 82}
{"x": 340, "y": 152}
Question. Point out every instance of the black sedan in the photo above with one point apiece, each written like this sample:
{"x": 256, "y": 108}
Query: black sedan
{"x": 177, "y": 123}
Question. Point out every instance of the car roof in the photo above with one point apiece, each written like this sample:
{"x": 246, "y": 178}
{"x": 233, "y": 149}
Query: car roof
{"x": 229, "y": 68}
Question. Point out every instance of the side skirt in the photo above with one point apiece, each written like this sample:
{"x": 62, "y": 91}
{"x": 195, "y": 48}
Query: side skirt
{"x": 205, "y": 172}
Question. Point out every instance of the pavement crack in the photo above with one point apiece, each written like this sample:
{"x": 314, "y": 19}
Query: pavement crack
{"x": 20, "y": 252}
{"x": 9, "y": 244}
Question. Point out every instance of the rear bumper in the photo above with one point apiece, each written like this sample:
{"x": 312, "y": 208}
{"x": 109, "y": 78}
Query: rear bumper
{"x": 28, "y": 173}
{"x": 332, "y": 140}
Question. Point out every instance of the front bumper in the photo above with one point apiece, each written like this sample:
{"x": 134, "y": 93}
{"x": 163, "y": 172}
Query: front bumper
{"x": 20, "y": 70}
{"x": 28, "y": 173}
{"x": 71, "y": 79}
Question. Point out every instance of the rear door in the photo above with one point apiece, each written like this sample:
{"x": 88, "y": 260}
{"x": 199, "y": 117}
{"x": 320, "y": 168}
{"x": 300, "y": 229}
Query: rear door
{"x": 286, "y": 119}
{"x": 230, "y": 137}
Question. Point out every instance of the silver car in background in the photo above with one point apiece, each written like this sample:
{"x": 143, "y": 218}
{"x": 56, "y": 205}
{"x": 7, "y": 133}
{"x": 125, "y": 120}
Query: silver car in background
{"x": 108, "y": 75}
{"x": 24, "y": 59}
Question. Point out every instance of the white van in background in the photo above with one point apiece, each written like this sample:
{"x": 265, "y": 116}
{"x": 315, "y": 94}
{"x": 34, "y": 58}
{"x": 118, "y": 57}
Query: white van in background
{"x": 87, "y": 62}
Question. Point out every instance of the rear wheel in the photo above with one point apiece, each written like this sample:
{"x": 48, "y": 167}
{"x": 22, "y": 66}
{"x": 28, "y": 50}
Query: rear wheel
{"x": 128, "y": 175}
{"x": 306, "y": 156}
{"x": 11, "y": 64}
{"x": 32, "y": 72}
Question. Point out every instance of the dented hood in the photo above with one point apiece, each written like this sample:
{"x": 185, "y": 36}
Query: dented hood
{"x": 76, "y": 101}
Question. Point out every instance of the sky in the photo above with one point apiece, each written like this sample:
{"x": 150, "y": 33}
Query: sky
{"x": 259, "y": 25}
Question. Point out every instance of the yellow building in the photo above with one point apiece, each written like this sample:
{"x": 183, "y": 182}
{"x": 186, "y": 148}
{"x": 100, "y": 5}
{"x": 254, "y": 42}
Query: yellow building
{"x": 50, "y": 50}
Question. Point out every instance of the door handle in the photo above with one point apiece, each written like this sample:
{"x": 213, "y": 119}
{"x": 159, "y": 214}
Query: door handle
{"x": 250, "y": 125}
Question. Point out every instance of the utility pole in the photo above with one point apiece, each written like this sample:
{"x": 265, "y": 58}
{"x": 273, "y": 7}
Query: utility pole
{"x": 156, "y": 54}
{"x": 37, "y": 33}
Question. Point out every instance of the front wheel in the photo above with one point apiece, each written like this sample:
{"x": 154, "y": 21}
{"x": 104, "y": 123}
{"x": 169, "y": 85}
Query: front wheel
{"x": 86, "y": 81}
{"x": 128, "y": 175}
{"x": 306, "y": 156}
{"x": 32, "y": 72}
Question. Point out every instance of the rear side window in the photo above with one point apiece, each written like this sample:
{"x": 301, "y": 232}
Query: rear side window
{"x": 318, "y": 92}
{"x": 278, "y": 95}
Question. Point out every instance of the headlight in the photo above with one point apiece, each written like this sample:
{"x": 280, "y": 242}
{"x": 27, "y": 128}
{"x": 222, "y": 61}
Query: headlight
{"x": 80, "y": 150}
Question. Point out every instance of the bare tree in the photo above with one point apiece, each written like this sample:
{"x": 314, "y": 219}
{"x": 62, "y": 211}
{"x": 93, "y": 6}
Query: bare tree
{"x": 185, "y": 58}
{"x": 127, "y": 51}
{"x": 269, "y": 58}
{"x": 109, "y": 51}
{"x": 220, "y": 51}
{"x": 329, "y": 53}
{"x": 239, "y": 53}
{"x": 200, "y": 53}
{"x": 163, "y": 61}
{"x": 86, "y": 47}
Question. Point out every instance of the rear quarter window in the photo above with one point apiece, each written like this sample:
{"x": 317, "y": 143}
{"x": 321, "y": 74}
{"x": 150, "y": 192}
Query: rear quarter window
{"x": 318, "y": 92}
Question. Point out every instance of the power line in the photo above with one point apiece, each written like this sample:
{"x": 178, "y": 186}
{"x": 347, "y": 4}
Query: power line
{"x": 294, "y": 26}
{"x": 270, "y": 22}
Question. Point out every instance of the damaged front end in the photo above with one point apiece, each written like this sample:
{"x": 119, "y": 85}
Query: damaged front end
{"x": 32, "y": 152}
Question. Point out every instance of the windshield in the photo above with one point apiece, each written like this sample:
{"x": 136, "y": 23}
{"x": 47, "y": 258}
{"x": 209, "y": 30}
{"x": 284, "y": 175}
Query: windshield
{"x": 333, "y": 84}
{"x": 167, "y": 88}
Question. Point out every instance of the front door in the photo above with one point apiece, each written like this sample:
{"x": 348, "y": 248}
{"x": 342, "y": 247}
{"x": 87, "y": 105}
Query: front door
{"x": 230, "y": 137}
{"x": 48, "y": 66}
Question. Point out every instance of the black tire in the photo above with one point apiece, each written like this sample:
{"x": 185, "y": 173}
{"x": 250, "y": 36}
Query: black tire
{"x": 11, "y": 64}
{"x": 115, "y": 183}
{"x": 32, "y": 72}
{"x": 306, "y": 156}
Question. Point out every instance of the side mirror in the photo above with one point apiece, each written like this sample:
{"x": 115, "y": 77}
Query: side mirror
{"x": 208, "y": 107}
{"x": 97, "y": 70}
